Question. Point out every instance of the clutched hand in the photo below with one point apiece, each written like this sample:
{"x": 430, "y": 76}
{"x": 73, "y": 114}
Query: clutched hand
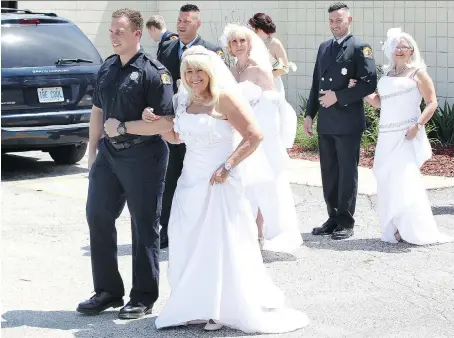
{"x": 219, "y": 175}
{"x": 352, "y": 83}
{"x": 149, "y": 116}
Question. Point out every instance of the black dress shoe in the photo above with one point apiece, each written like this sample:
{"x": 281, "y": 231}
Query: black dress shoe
{"x": 98, "y": 303}
{"x": 164, "y": 240}
{"x": 342, "y": 233}
{"x": 326, "y": 229}
{"x": 134, "y": 310}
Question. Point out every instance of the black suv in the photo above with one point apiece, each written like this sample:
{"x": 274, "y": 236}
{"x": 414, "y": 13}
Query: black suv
{"x": 49, "y": 69}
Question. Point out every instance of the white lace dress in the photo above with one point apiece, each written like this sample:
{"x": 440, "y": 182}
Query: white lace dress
{"x": 216, "y": 269}
{"x": 402, "y": 199}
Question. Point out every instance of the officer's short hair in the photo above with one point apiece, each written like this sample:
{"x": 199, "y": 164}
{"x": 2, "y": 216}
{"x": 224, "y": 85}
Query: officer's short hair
{"x": 336, "y": 6}
{"x": 156, "y": 21}
{"x": 133, "y": 16}
{"x": 191, "y": 9}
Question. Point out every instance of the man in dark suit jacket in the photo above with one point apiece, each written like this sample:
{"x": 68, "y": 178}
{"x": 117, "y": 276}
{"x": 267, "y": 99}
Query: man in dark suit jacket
{"x": 157, "y": 29}
{"x": 170, "y": 56}
{"x": 341, "y": 118}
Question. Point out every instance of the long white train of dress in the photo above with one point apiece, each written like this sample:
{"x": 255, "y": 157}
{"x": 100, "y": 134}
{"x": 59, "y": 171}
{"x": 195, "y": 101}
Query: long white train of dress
{"x": 216, "y": 270}
{"x": 274, "y": 197}
{"x": 403, "y": 204}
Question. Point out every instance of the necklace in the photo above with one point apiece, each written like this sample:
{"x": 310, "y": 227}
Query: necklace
{"x": 397, "y": 73}
{"x": 244, "y": 68}
{"x": 199, "y": 99}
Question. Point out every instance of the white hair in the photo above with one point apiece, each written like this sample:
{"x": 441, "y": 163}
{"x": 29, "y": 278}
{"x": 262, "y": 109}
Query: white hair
{"x": 257, "y": 48}
{"x": 394, "y": 36}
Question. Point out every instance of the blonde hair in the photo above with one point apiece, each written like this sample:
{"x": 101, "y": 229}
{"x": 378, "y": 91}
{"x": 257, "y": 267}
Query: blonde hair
{"x": 416, "y": 61}
{"x": 200, "y": 58}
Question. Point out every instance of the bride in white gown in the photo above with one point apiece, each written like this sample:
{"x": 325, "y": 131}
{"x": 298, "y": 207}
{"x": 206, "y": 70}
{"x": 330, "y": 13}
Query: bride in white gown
{"x": 403, "y": 147}
{"x": 273, "y": 200}
{"x": 216, "y": 272}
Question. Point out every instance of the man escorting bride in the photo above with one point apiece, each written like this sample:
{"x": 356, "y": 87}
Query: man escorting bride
{"x": 216, "y": 272}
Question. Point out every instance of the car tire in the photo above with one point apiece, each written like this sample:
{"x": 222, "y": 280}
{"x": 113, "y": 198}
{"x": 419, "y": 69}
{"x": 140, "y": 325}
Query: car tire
{"x": 68, "y": 154}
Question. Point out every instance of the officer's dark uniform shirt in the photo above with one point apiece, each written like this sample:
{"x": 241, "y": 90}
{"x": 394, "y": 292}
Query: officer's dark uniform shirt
{"x": 335, "y": 65}
{"x": 123, "y": 92}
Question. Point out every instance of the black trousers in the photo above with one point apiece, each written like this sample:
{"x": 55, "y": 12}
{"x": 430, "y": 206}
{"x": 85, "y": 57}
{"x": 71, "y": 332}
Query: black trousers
{"x": 339, "y": 158}
{"x": 176, "y": 158}
{"x": 135, "y": 175}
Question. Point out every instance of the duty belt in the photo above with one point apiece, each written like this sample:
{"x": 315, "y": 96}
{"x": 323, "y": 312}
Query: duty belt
{"x": 131, "y": 143}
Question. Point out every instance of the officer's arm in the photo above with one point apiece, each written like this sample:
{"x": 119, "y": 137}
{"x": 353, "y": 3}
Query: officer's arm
{"x": 313, "y": 104}
{"x": 366, "y": 73}
{"x": 159, "y": 97}
{"x": 96, "y": 125}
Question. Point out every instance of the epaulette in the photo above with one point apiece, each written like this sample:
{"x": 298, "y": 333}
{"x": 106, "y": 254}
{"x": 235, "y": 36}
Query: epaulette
{"x": 158, "y": 65}
{"x": 110, "y": 56}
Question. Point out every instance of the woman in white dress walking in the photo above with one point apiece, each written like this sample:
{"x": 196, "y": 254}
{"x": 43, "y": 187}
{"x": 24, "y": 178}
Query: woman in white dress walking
{"x": 273, "y": 201}
{"x": 403, "y": 146}
{"x": 216, "y": 271}
{"x": 265, "y": 28}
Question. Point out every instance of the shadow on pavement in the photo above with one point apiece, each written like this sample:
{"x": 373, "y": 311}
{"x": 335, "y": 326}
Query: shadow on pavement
{"x": 352, "y": 244}
{"x": 126, "y": 250}
{"x": 268, "y": 256}
{"x": 104, "y": 325}
{"x": 17, "y": 168}
{"x": 443, "y": 210}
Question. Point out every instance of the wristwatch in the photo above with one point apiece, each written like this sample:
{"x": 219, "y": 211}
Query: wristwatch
{"x": 227, "y": 166}
{"x": 122, "y": 128}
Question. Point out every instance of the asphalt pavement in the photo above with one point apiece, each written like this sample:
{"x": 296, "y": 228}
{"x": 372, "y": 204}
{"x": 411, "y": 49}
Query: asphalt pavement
{"x": 359, "y": 287}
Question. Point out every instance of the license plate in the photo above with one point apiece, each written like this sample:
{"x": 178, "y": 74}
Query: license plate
{"x": 54, "y": 94}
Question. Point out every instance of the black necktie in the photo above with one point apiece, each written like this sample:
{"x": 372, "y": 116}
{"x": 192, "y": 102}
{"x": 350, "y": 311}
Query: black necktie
{"x": 182, "y": 51}
{"x": 335, "y": 48}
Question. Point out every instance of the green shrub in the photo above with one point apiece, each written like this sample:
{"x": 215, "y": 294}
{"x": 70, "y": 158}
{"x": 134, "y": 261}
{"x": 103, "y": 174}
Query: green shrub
{"x": 304, "y": 141}
{"x": 442, "y": 124}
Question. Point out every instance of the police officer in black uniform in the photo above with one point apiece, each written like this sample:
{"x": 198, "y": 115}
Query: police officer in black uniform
{"x": 157, "y": 29}
{"x": 129, "y": 166}
{"x": 341, "y": 118}
{"x": 170, "y": 56}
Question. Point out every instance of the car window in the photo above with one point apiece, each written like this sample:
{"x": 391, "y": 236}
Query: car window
{"x": 43, "y": 44}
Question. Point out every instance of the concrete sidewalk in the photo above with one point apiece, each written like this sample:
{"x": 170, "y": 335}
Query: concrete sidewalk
{"x": 308, "y": 173}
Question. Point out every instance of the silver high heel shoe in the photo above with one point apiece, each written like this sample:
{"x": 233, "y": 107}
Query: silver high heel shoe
{"x": 213, "y": 326}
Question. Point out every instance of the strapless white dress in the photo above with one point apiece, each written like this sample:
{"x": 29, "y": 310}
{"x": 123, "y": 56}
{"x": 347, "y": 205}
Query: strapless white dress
{"x": 216, "y": 270}
{"x": 274, "y": 197}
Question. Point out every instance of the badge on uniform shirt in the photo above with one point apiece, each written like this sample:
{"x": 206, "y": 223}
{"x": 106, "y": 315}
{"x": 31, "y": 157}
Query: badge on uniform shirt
{"x": 165, "y": 79}
{"x": 134, "y": 76}
{"x": 220, "y": 53}
{"x": 344, "y": 71}
{"x": 367, "y": 52}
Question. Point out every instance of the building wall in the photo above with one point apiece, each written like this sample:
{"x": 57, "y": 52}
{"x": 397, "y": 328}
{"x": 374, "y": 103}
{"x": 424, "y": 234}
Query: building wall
{"x": 301, "y": 26}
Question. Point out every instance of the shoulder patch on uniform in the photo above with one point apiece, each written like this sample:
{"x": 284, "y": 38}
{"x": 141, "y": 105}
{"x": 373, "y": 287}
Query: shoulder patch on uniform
{"x": 220, "y": 52}
{"x": 173, "y": 37}
{"x": 367, "y": 52}
{"x": 165, "y": 79}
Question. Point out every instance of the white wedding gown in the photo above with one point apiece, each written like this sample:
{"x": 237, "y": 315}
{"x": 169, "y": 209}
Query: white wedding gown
{"x": 216, "y": 269}
{"x": 274, "y": 197}
{"x": 403, "y": 204}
